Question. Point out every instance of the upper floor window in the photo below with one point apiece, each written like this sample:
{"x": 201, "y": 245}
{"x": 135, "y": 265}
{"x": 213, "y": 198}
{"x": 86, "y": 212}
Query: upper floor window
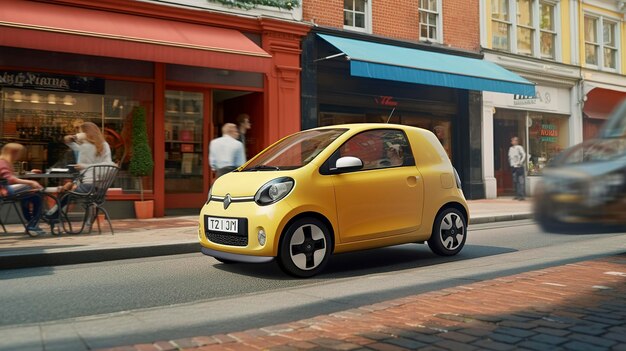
{"x": 357, "y": 15}
{"x": 430, "y": 20}
{"x": 601, "y": 42}
{"x": 526, "y": 27}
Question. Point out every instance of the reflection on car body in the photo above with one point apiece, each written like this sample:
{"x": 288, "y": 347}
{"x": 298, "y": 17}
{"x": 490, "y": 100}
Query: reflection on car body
{"x": 587, "y": 182}
{"x": 336, "y": 189}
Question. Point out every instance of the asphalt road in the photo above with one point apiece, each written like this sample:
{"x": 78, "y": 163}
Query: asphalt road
{"x": 52, "y": 293}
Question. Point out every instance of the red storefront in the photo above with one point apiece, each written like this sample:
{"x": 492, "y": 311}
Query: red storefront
{"x": 191, "y": 70}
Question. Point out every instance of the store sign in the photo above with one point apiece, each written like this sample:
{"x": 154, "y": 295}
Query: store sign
{"x": 386, "y": 101}
{"x": 545, "y": 99}
{"x": 541, "y": 97}
{"x": 549, "y": 133}
{"x": 46, "y": 81}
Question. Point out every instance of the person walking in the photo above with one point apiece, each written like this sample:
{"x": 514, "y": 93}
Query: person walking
{"x": 226, "y": 153}
{"x": 517, "y": 156}
{"x": 243, "y": 123}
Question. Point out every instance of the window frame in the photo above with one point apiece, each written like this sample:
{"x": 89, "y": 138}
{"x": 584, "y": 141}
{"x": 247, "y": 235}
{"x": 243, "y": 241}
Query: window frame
{"x": 438, "y": 24}
{"x": 409, "y": 160}
{"x": 536, "y": 29}
{"x": 601, "y": 19}
{"x": 367, "y": 14}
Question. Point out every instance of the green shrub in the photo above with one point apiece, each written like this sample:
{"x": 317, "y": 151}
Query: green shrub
{"x": 141, "y": 162}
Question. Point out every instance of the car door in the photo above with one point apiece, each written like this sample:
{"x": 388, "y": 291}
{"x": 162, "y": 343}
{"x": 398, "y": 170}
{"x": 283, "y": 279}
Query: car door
{"x": 385, "y": 197}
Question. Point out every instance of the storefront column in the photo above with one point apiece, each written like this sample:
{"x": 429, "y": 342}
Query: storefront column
{"x": 491, "y": 186}
{"x": 576, "y": 117}
{"x": 159, "y": 140}
{"x": 282, "y": 89}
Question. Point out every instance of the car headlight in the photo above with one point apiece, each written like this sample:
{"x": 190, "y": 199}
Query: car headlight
{"x": 605, "y": 188}
{"x": 274, "y": 191}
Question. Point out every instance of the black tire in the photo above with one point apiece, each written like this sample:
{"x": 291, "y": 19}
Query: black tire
{"x": 449, "y": 232}
{"x": 304, "y": 248}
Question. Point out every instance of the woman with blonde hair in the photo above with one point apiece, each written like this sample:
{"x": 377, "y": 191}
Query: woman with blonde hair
{"x": 29, "y": 189}
{"x": 92, "y": 149}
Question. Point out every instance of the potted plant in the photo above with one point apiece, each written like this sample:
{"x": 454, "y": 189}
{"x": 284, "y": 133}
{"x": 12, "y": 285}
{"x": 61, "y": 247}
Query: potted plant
{"x": 141, "y": 162}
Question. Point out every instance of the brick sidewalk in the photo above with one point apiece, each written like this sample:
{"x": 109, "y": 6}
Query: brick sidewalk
{"x": 579, "y": 306}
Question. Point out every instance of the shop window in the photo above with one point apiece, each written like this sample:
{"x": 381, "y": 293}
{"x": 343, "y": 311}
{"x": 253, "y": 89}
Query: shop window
{"x": 526, "y": 27}
{"x": 547, "y": 137}
{"x": 430, "y": 20}
{"x": 547, "y": 31}
{"x": 501, "y": 25}
{"x": 601, "y": 43}
{"x": 40, "y": 118}
{"x": 357, "y": 15}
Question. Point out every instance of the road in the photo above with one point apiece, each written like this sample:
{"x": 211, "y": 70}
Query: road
{"x": 46, "y": 294}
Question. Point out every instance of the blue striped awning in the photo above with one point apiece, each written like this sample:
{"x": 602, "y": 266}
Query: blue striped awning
{"x": 382, "y": 61}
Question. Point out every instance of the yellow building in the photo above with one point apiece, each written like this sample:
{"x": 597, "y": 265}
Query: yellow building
{"x": 575, "y": 52}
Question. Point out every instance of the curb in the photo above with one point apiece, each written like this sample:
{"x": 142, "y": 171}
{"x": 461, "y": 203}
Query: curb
{"x": 501, "y": 218}
{"x": 34, "y": 258}
{"x": 59, "y": 257}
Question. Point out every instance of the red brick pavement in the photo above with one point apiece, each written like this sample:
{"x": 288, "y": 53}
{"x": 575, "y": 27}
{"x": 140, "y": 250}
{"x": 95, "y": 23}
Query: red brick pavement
{"x": 579, "y": 306}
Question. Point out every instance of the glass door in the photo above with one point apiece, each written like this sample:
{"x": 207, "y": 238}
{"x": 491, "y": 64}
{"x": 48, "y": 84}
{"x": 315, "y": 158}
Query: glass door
{"x": 184, "y": 146}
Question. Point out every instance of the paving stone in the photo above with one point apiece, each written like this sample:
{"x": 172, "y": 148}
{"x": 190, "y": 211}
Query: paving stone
{"x": 534, "y": 345}
{"x": 588, "y": 329}
{"x": 456, "y": 336}
{"x": 385, "y": 347}
{"x": 551, "y": 331}
{"x": 505, "y": 338}
{"x": 375, "y": 336}
{"x": 593, "y": 340}
{"x": 493, "y": 345}
{"x": 520, "y": 333}
{"x": 616, "y": 337}
{"x": 454, "y": 345}
{"x": 475, "y": 331}
{"x": 406, "y": 343}
{"x": 603, "y": 320}
{"x": 549, "y": 339}
{"x": 519, "y": 325}
{"x": 581, "y": 346}
{"x": 417, "y": 336}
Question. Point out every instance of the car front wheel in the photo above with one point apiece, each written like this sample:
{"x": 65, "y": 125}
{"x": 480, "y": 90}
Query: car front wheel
{"x": 305, "y": 248}
{"x": 449, "y": 233}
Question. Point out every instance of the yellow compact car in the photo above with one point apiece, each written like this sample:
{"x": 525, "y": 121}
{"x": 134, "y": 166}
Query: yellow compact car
{"x": 336, "y": 189}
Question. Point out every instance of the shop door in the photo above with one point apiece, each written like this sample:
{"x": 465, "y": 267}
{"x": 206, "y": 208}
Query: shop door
{"x": 504, "y": 130}
{"x": 186, "y": 164}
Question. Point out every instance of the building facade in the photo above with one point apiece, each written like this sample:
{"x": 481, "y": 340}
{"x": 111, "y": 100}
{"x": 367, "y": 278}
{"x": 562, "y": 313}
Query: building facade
{"x": 344, "y": 81}
{"x": 572, "y": 51}
{"x": 191, "y": 65}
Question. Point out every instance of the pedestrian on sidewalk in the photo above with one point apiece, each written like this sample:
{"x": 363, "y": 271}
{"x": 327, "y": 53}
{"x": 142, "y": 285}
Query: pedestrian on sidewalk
{"x": 517, "y": 156}
{"x": 243, "y": 123}
{"x": 226, "y": 153}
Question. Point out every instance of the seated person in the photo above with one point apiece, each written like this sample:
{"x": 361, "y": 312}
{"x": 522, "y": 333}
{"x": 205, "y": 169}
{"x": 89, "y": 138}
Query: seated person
{"x": 31, "y": 204}
{"x": 394, "y": 156}
{"x": 92, "y": 150}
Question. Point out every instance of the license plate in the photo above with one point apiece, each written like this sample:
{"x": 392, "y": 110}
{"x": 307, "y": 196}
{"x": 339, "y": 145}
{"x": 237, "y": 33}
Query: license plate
{"x": 224, "y": 225}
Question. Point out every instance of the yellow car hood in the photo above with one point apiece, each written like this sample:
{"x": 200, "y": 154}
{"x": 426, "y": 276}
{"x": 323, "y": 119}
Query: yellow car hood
{"x": 239, "y": 184}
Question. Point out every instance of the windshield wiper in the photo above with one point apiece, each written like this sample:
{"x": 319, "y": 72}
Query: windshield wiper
{"x": 263, "y": 168}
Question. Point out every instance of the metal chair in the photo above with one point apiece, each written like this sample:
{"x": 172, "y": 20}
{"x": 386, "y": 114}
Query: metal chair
{"x": 14, "y": 200}
{"x": 87, "y": 205}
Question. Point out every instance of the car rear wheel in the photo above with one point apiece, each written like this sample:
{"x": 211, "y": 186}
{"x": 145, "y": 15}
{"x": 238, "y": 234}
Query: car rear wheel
{"x": 449, "y": 233}
{"x": 304, "y": 248}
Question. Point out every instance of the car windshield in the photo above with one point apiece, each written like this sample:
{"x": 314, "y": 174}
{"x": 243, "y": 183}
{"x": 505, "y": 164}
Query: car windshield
{"x": 615, "y": 127}
{"x": 593, "y": 150}
{"x": 294, "y": 151}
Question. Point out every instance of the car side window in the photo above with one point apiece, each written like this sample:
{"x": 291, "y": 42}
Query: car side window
{"x": 381, "y": 148}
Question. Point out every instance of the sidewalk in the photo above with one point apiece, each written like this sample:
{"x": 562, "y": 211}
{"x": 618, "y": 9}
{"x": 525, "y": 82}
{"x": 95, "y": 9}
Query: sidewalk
{"x": 579, "y": 306}
{"x": 162, "y": 236}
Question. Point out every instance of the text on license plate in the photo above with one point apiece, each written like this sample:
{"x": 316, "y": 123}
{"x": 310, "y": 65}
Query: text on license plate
{"x": 223, "y": 225}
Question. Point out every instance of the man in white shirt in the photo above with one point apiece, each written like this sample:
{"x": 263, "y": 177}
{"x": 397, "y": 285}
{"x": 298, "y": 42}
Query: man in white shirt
{"x": 517, "y": 156}
{"x": 226, "y": 153}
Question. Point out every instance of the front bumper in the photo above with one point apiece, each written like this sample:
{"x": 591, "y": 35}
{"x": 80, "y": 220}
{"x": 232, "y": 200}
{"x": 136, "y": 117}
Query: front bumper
{"x": 568, "y": 208}
{"x": 269, "y": 218}
{"x": 236, "y": 257}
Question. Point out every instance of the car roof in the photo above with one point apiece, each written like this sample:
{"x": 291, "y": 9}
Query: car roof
{"x": 358, "y": 127}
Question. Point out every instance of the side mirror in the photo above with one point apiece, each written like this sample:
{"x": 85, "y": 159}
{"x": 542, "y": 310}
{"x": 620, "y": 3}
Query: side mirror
{"x": 347, "y": 164}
